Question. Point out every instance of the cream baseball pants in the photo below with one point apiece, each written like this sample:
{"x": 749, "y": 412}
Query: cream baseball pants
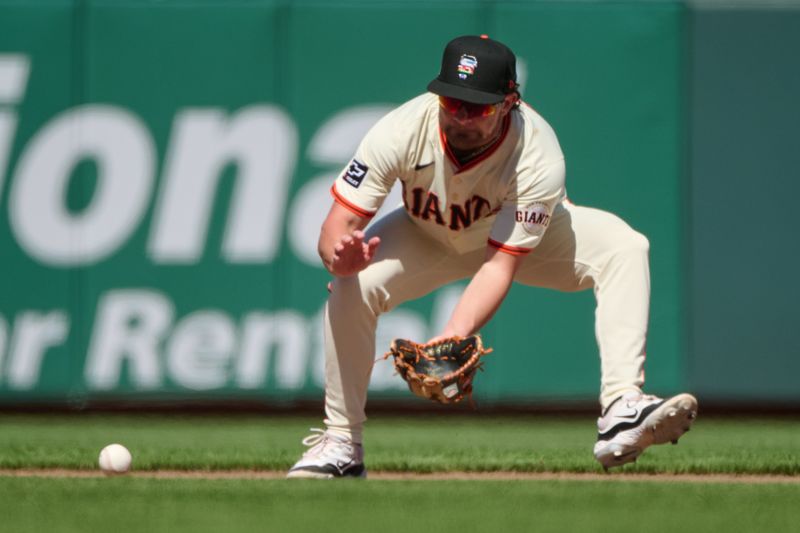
{"x": 583, "y": 248}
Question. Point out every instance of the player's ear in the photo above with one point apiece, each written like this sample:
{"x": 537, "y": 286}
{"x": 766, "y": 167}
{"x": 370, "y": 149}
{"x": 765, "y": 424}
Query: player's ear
{"x": 510, "y": 101}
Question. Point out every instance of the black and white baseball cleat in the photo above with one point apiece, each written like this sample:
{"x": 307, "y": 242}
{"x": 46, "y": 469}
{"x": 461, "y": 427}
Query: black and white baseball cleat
{"x": 635, "y": 421}
{"x": 329, "y": 456}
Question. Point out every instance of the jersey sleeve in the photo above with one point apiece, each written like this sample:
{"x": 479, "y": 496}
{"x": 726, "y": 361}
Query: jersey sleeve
{"x": 526, "y": 211}
{"x": 368, "y": 178}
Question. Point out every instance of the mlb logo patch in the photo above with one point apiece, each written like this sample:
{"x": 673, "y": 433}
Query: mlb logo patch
{"x": 355, "y": 173}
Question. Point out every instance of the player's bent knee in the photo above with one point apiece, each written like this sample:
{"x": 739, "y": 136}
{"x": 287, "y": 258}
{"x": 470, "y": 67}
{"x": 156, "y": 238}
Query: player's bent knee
{"x": 357, "y": 291}
{"x": 629, "y": 245}
{"x": 637, "y": 243}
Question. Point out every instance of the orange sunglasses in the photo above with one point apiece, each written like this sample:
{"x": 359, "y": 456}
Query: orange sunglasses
{"x": 454, "y": 106}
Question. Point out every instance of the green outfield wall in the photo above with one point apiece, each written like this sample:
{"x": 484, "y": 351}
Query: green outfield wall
{"x": 165, "y": 166}
{"x": 744, "y": 340}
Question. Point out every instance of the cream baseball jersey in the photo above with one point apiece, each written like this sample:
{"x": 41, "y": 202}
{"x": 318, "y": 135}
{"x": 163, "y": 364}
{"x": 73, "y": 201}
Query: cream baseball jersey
{"x": 504, "y": 197}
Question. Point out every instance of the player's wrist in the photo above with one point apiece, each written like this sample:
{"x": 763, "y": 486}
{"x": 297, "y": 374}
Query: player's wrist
{"x": 345, "y": 271}
{"x": 456, "y": 330}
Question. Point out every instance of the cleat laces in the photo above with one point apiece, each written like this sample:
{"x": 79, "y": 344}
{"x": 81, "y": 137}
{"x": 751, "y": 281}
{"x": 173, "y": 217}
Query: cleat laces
{"x": 323, "y": 445}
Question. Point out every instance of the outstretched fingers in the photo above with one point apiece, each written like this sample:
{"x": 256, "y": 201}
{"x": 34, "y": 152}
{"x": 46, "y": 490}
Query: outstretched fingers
{"x": 352, "y": 254}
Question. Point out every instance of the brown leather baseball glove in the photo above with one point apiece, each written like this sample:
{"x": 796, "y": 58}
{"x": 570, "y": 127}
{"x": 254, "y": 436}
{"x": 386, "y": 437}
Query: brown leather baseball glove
{"x": 441, "y": 371}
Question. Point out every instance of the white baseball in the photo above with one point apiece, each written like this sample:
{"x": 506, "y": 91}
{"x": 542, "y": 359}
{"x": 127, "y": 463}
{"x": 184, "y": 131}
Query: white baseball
{"x": 115, "y": 459}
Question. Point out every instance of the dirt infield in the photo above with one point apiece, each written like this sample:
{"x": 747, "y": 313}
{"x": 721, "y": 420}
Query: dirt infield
{"x": 411, "y": 476}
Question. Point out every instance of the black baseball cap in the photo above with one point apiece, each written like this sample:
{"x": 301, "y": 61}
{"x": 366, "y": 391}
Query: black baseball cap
{"x": 476, "y": 69}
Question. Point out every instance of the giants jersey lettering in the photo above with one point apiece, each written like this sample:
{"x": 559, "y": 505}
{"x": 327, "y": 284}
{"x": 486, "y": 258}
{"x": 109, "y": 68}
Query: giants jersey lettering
{"x": 505, "y": 196}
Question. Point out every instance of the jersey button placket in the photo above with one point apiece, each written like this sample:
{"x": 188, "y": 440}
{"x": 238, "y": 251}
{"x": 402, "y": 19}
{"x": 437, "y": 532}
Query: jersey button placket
{"x": 456, "y": 188}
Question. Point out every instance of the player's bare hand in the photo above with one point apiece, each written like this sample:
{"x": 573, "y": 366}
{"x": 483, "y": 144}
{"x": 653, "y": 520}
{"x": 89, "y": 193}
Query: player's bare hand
{"x": 352, "y": 254}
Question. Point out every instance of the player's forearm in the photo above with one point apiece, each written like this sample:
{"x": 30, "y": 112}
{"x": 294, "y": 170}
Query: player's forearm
{"x": 338, "y": 223}
{"x": 325, "y": 247}
{"x": 480, "y": 300}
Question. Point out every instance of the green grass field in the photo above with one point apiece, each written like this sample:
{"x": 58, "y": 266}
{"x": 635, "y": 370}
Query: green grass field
{"x": 623, "y": 501}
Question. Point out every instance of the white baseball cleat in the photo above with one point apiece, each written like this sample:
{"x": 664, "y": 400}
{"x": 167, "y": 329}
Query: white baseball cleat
{"x": 635, "y": 421}
{"x": 329, "y": 456}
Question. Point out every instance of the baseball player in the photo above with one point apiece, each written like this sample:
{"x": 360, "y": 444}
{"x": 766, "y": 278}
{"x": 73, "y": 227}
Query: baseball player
{"x": 483, "y": 199}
